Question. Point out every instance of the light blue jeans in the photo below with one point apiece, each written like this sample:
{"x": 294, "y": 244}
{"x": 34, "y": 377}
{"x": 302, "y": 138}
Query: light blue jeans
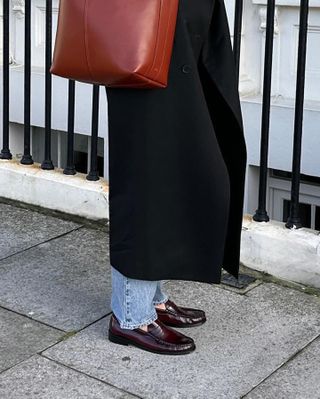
{"x": 133, "y": 301}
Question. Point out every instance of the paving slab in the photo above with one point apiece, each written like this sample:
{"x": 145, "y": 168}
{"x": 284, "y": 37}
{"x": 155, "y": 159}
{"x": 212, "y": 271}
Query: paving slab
{"x": 21, "y": 337}
{"x": 297, "y": 379}
{"x": 41, "y": 378}
{"x": 22, "y": 228}
{"x": 246, "y": 337}
{"x": 64, "y": 282}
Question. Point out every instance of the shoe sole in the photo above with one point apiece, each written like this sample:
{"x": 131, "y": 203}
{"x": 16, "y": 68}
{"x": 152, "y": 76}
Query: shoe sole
{"x": 117, "y": 339}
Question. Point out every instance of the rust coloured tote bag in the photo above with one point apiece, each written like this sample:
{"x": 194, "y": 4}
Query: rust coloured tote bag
{"x": 116, "y": 43}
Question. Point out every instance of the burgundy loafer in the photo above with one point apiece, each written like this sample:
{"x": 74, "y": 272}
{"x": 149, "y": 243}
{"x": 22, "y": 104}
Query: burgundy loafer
{"x": 158, "y": 339}
{"x": 177, "y": 316}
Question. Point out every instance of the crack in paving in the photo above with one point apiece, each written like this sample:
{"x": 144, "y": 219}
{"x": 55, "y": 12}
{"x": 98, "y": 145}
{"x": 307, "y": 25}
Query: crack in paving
{"x": 288, "y": 360}
{"x": 91, "y": 376}
{"x": 39, "y": 243}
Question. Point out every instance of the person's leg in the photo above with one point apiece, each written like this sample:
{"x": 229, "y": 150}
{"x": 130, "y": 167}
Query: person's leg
{"x": 160, "y": 297}
{"x": 132, "y": 300}
{"x": 134, "y": 320}
{"x": 173, "y": 315}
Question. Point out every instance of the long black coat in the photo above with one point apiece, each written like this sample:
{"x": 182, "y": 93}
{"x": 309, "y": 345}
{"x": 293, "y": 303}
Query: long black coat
{"x": 177, "y": 160}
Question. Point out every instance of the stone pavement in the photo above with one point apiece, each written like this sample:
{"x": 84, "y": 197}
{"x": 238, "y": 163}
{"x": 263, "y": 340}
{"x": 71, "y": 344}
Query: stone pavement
{"x": 262, "y": 341}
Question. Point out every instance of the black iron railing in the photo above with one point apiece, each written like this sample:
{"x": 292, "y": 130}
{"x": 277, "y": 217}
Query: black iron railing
{"x": 27, "y": 158}
{"x": 261, "y": 212}
{"x": 5, "y": 152}
{"x": 47, "y": 162}
{"x": 294, "y": 217}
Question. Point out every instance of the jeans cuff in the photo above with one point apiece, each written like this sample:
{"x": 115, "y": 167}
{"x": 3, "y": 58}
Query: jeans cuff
{"x": 161, "y": 302}
{"x": 132, "y": 326}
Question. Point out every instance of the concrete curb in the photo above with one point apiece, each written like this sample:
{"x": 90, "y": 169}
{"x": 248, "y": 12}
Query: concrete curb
{"x": 54, "y": 190}
{"x": 290, "y": 254}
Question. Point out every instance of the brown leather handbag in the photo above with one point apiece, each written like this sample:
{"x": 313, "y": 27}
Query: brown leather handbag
{"x": 116, "y": 43}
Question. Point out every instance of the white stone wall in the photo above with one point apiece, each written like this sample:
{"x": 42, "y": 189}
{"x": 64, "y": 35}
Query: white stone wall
{"x": 286, "y": 28}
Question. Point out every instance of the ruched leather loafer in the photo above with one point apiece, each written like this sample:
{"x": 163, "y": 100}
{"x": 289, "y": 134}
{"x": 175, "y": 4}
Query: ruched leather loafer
{"x": 158, "y": 339}
{"x": 177, "y": 316}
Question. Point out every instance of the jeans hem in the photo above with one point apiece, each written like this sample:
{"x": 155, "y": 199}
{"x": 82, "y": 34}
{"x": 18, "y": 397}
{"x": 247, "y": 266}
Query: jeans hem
{"x": 132, "y": 326}
{"x": 161, "y": 302}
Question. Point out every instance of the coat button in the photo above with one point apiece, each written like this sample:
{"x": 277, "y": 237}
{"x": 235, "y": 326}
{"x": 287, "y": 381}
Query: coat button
{"x": 186, "y": 68}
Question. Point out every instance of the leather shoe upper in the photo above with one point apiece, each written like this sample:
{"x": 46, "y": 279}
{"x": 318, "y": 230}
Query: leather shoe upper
{"x": 159, "y": 338}
{"x": 177, "y": 316}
